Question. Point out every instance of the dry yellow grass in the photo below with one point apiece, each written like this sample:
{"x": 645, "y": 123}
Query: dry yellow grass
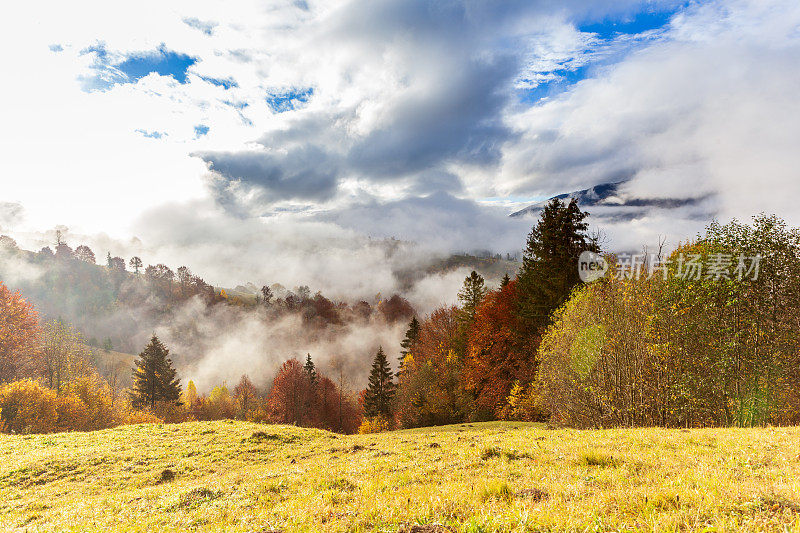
{"x": 238, "y": 477}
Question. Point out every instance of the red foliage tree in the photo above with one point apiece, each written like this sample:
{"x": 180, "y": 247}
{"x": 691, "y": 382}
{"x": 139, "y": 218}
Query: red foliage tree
{"x": 289, "y": 397}
{"x": 498, "y": 351}
{"x": 396, "y": 309}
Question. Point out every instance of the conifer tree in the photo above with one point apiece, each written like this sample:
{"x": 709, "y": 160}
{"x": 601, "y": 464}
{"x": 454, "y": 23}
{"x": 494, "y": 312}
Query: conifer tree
{"x": 505, "y": 281}
{"x": 311, "y": 371}
{"x": 471, "y": 294}
{"x": 380, "y": 391}
{"x": 408, "y": 342}
{"x": 154, "y": 378}
{"x": 549, "y": 269}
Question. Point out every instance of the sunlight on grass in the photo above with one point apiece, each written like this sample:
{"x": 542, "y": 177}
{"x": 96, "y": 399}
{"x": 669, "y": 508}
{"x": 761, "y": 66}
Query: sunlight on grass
{"x": 241, "y": 477}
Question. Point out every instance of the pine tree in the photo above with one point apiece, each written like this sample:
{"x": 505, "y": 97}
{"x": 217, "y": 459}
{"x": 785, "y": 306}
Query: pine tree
{"x": 505, "y": 281}
{"x": 408, "y": 343}
{"x": 549, "y": 269}
{"x": 471, "y": 294}
{"x": 380, "y": 391}
{"x": 154, "y": 378}
{"x": 311, "y": 371}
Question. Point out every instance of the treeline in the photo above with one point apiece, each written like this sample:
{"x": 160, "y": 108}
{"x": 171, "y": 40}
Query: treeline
{"x": 118, "y": 303}
{"x": 714, "y": 345}
{"x": 679, "y": 341}
{"x": 708, "y": 336}
{"x": 49, "y": 381}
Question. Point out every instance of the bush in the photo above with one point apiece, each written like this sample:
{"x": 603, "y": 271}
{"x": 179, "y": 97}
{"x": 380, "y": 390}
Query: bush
{"x": 376, "y": 424}
{"x": 28, "y": 407}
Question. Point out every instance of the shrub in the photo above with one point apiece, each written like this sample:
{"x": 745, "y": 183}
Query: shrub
{"x": 376, "y": 424}
{"x": 28, "y": 407}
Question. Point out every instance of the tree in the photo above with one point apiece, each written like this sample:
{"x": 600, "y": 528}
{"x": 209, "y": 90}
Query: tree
{"x": 266, "y": 295}
{"x": 18, "y": 332}
{"x": 154, "y": 379}
{"x": 246, "y": 396}
{"x": 190, "y": 395}
{"x": 310, "y": 370}
{"x": 471, "y": 295}
{"x": 135, "y": 263}
{"x": 63, "y": 251}
{"x": 498, "y": 354}
{"x": 288, "y": 394}
{"x": 117, "y": 263}
{"x": 430, "y": 390}
{"x": 65, "y": 357}
{"x": 395, "y": 309}
{"x": 380, "y": 390}
{"x": 408, "y": 343}
{"x": 505, "y": 280}
{"x": 84, "y": 253}
{"x": 549, "y": 269}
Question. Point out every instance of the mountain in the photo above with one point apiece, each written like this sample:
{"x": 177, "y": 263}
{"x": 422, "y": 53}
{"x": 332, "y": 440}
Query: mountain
{"x": 610, "y": 195}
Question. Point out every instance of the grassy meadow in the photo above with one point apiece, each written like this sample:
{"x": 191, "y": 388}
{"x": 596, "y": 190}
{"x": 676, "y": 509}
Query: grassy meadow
{"x": 243, "y": 477}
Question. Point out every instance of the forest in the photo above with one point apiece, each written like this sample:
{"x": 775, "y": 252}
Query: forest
{"x": 697, "y": 337}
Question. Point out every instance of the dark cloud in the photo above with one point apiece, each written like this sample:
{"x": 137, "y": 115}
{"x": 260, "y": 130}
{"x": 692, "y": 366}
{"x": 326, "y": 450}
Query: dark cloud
{"x": 304, "y": 172}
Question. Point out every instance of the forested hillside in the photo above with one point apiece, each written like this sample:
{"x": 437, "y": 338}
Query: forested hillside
{"x": 704, "y": 335}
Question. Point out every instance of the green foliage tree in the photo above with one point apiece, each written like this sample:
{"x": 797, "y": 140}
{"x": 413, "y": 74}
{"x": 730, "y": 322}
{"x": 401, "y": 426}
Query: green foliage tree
{"x": 380, "y": 391}
{"x": 154, "y": 378}
{"x": 471, "y": 294}
{"x": 549, "y": 269}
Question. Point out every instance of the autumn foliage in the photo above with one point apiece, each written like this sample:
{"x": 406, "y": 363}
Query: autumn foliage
{"x": 18, "y": 336}
{"x": 499, "y": 354}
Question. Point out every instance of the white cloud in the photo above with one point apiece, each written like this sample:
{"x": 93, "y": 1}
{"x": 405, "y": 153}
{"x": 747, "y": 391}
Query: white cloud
{"x": 414, "y": 117}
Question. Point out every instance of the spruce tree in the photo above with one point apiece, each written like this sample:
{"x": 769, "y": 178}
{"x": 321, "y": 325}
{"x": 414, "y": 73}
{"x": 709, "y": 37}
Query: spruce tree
{"x": 505, "y": 281}
{"x": 471, "y": 295}
{"x": 154, "y": 378}
{"x": 380, "y": 391}
{"x": 549, "y": 269}
{"x": 310, "y": 370}
{"x": 408, "y": 342}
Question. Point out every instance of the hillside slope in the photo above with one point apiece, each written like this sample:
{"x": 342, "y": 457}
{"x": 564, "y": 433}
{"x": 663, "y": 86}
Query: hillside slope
{"x": 233, "y": 476}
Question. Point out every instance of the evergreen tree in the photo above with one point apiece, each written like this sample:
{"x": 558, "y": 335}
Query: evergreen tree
{"x": 549, "y": 269}
{"x": 505, "y": 281}
{"x": 380, "y": 391}
{"x": 407, "y": 344}
{"x": 471, "y": 295}
{"x": 154, "y": 378}
{"x": 310, "y": 370}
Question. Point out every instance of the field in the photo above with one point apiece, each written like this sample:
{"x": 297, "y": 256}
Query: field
{"x": 240, "y": 477}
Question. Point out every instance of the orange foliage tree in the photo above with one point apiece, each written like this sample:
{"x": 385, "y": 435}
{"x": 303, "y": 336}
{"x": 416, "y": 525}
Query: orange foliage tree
{"x": 18, "y": 336}
{"x": 498, "y": 353}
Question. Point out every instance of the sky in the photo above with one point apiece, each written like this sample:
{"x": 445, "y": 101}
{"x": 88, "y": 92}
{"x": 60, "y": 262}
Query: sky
{"x": 278, "y": 139}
